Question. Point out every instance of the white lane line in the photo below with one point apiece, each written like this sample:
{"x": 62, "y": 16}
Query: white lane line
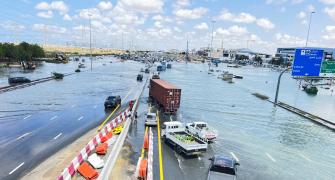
{"x": 80, "y": 118}
{"x": 16, "y": 168}
{"x": 54, "y": 117}
{"x": 305, "y": 157}
{"x": 56, "y": 137}
{"x": 27, "y": 117}
{"x": 270, "y": 157}
{"x": 22, "y": 136}
{"x": 95, "y": 106}
{"x": 234, "y": 156}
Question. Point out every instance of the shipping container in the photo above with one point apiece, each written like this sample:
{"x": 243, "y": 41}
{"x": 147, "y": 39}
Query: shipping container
{"x": 165, "y": 94}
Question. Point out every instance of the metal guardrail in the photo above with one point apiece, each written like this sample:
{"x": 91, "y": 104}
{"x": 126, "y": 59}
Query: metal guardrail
{"x": 110, "y": 162}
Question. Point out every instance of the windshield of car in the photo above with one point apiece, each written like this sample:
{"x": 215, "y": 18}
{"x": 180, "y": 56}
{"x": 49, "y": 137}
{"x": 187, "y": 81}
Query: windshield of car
{"x": 221, "y": 169}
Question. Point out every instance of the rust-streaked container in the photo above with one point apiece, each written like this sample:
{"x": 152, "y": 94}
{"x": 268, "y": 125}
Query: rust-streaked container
{"x": 165, "y": 94}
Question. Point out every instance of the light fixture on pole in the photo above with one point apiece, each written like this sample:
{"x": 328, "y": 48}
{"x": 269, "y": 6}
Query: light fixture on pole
{"x": 309, "y": 26}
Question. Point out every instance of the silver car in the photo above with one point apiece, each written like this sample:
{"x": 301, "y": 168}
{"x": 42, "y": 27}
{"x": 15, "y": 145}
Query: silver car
{"x": 222, "y": 168}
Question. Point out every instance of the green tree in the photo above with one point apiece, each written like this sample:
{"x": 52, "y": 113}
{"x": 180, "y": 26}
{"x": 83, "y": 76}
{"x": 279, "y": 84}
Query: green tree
{"x": 37, "y": 51}
{"x": 258, "y": 59}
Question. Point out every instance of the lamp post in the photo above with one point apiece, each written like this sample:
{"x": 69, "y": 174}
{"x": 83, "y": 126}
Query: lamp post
{"x": 309, "y": 26}
{"x": 90, "y": 39}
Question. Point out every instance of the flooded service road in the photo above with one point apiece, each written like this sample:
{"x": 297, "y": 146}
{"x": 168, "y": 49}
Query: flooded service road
{"x": 270, "y": 142}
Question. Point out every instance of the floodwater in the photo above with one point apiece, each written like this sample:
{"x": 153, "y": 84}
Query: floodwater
{"x": 271, "y": 143}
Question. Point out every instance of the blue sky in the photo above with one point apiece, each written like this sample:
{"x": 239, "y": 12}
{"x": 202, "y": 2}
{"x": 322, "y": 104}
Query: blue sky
{"x": 261, "y": 25}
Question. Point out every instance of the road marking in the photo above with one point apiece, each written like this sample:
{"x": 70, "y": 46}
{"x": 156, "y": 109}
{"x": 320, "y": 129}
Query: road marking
{"x": 161, "y": 171}
{"x": 305, "y": 157}
{"x": 105, "y": 121}
{"x": 95, "y": 106}
{"x": 27, "y": 117}
{"x": 22, "y": 136}
{"x": 16, "y": 168}
{"x": 80, "y": 118}
{"x": 56, "y": 137}
{"x": 54, "y": 117}
{"x": 270, "y": 157}
{"x": 234, "y": 156}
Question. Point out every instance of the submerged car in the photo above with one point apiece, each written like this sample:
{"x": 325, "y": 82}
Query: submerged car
{"x": 222, "y": 168}
{"x": 112, "y": 102}
{"x": 151, "y": 119}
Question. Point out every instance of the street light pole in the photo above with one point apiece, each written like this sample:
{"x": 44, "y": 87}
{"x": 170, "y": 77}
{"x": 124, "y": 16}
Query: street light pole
{"x": 309, "y": 26}
{"x": 210, "y": 52}
{"x": 278, "y": 85}
{"x": 90, "y": 40}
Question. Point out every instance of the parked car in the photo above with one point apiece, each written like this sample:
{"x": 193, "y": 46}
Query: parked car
{"x": 222, "y": 168}
{"x": 112, "y": 102}
{"x": 151, "y": 119}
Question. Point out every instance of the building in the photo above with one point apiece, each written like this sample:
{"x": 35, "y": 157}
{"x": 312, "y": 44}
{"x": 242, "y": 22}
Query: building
{"x": 288, "y": 53}
{"x": 230, "y": 55}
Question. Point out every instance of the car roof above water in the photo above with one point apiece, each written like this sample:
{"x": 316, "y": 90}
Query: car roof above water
{"x": 224, "y": 161}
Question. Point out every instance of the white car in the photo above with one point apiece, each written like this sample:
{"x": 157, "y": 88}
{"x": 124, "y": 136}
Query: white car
{"x": 151, "y": 119}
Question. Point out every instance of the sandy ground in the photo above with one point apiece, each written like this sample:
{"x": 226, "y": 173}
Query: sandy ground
{"x": 124, "y": 169}
{"x": 52, "y": 167}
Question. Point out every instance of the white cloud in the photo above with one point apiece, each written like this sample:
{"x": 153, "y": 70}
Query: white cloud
{"x": 47, "y": 14}
{"x": 310, "y": 8}
{"x": 288, "y": 40}
{"x": 301, "y": 15}
{"x": 201, "y": 26}
{"x": 12, "y": 26}
{"x": 225, "y": 15}
{"x": 183, "y": 2}
{"x": 297, "y": 1}
{"x": 158, "y": 24}
{"x": 66, "y": 17}
{"x": 195, "y": 13}
{"x": 59, "y": 6}
{"x": 265, "y": 23}
{"x": 105, "y": 5}
{"x": 144, "y": 6}
{"x": 327, "y": 2}
{"x": 48, "y": 28}
{"x": 232, "y": 31}
{"x": 161, "y": 18}
{"x": 330, "y": 12}
{"x": 330, "y": 33}
{"x": 176, "y": 29}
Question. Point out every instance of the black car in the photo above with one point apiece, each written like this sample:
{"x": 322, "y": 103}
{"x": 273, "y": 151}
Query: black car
{"x": 18, "y": 80}
{"x": 147, "y": 71}
{"x": 222, "y": 168}
{"x": 139, "y": 77}
{"x": 112, "y": 102}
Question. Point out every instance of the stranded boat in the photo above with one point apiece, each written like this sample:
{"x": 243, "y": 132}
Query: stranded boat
{"x": 202, "y": 130}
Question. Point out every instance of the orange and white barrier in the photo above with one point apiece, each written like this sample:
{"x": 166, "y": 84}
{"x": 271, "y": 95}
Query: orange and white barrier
{"x": 103, "y": 135}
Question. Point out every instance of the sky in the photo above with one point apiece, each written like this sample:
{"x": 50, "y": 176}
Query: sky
{"x": 260, "y": 25}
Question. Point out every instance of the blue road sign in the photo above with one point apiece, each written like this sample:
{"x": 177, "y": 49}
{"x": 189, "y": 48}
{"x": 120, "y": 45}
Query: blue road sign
{"x": 307, "y": 62}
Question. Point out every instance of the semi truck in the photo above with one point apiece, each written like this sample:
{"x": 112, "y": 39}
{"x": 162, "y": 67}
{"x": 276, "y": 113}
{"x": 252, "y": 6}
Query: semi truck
{"x": 165, "y": 95}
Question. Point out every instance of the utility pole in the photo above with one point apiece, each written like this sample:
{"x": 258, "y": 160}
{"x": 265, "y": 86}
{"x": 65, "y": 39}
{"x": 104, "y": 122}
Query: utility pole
{"x": 278, "y": 85}
{"x": 309, "y": 26}
{"x": 210, "y": 51}
{"x": 90, "y": 40}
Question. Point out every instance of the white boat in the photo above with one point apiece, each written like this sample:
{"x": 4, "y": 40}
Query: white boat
{"x": 202, "y": 130}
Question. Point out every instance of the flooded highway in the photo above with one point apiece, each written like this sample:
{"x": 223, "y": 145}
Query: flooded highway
{"x": 270, "y": 142}
{"x": 37, "y": 121}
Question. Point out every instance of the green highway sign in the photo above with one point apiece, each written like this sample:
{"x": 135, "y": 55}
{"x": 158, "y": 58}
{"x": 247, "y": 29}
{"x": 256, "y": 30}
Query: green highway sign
{"x": 327, "y": 69}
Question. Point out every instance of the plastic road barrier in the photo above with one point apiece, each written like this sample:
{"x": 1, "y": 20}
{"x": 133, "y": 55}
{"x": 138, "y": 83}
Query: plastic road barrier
{"x": 146, "y": 141}
{"x": 87, "y": 171}
{"x": 102, "y": 149}
{"x": 95, "y": 161}
{"x": 143, "y": 169}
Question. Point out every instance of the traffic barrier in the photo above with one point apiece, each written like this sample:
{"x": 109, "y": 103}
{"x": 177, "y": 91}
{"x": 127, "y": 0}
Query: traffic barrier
{"x": 102, "y": 149}
{"x": 70, "y": 171}
{"x": 143, "y": 169}
{"x": 87, "y": 171}
{"x": 146, "y": 141}
{"x": 150, "y": 156}
{"x": 95, "y": 161}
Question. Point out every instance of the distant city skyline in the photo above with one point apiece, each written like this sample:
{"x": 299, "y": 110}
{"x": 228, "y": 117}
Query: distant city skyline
{"x": 260, "y": 25}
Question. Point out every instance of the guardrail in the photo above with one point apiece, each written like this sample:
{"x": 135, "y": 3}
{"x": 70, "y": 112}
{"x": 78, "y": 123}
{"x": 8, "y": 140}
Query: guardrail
{"x": 106, "y": 171}
{"x": 33, "y": 82}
